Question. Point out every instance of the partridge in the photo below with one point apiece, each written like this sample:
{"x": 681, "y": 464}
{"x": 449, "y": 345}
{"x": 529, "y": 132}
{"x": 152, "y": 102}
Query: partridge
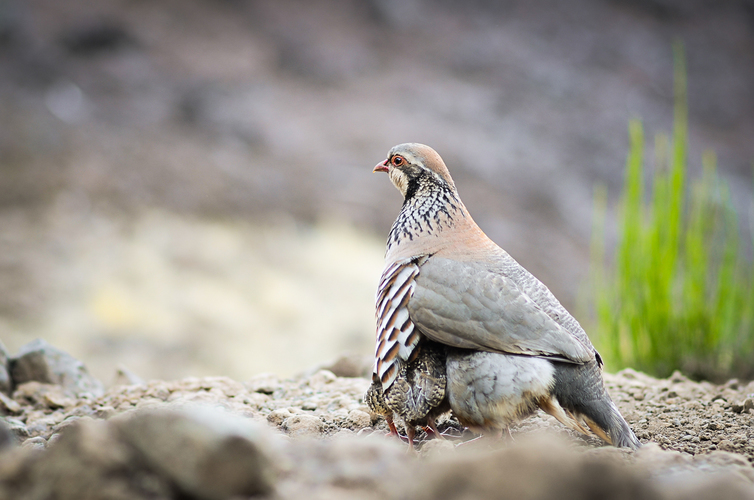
{"x": 417, "y": 395}
{"x": 511, "y": 347}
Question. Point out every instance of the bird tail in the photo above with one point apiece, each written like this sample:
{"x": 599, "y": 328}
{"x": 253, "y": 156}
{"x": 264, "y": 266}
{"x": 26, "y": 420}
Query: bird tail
{"x": 579, "y": 400}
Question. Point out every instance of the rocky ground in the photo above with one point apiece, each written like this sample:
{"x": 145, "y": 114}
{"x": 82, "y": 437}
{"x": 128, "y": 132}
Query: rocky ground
{"x": 311, "y": 436}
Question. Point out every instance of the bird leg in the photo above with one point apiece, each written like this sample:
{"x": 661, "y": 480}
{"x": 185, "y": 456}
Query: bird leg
{"x": 432, "y": 427}
{"x": 391, "y": 425}
{"x": 411, "y": 433}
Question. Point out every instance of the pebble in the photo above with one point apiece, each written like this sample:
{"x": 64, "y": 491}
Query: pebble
{"x": 358, "y": 420}
{"x": 277, "y": 417}
{"x": 17, "y": 428}
{"x": 35, "y": 443}
{"x": 303, "y": 425}
{"x": 8, "y": 405}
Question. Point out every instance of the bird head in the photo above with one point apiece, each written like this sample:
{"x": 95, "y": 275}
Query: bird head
{"x": 407, "y": 164}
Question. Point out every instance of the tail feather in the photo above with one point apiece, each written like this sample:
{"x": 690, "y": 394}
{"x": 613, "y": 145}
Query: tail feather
{"x": 579, "y": 390}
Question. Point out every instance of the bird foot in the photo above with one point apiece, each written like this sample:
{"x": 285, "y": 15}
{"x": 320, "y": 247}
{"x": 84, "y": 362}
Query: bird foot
{"x": 393, "y": 430}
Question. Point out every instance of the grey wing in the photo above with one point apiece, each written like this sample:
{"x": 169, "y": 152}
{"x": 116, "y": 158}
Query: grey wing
{"x": 468, "y": 305}
{"x": 540, "y": 294}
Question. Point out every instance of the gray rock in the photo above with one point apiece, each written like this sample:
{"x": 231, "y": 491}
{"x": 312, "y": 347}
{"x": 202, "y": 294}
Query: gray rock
{"x": 41, "y": 362}
{"x": 540, "y": 468}
{"x": 303, "y": 425}
{"x": 36, "y": 443}
{"x": 6, "y": 385}
{"x": 748, "y": 404}
{"x": 277, "y": 417}
{"x": 8, "y": 405}
{"x": 90, "y": 460}
{"x": 16, "y": 427}
{"x": 7, "y": 437}
{"x": 358, "y": 420}
{"x": 208, "y": 453}
{"x": 266, "y": 383}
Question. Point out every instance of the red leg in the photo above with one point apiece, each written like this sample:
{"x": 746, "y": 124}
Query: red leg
{"x": 433, "y": 427}
{"x": 411, "y": 433}
{"x": 393, "y": 430}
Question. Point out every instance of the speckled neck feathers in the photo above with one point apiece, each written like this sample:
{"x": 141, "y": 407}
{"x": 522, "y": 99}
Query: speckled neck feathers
{"x": 431, "y": 207}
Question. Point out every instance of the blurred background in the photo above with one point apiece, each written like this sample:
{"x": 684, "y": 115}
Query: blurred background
{"x": 186, "y": 186}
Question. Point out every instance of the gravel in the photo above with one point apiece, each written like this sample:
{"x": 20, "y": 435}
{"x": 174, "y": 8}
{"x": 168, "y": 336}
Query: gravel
{"x": 312, "y": 436}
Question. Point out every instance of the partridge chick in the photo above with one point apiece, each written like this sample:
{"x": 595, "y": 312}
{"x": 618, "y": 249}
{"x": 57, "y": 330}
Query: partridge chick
{"x": 417, "y": 395}
{"x": 511, "y": 346}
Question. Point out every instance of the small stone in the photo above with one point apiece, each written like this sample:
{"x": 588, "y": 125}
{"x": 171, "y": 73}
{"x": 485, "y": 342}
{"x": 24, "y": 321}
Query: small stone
{"x": 158, "y": 391}
{"x": 257, "y": 399}
{"x": 7, "y": 437}
{"x": 55, "y": 400}
{"x": 210, "y": 454}
{"x": 733, "y": 383}
{"x": 90, "y": 460}
{"x": 8, "y": 405}
{"x": 6, "y": 385}
{"x": 748, "y": 404}
{"x": 17, "y": 428}
{"x": 277, "y": 417}
{"x": 322, "y": 377}
{"x": 437, "y": 447}
{"x": 53, "y": 439}
{"x": 677, "y": 377}
{"x": 36, "y": 443}
{"x": 266, "y": 383}
{"x": 358, "y": 420}
{"x": 43, "y": 395}
{"x": 104, "y": 412}
{"x": 303, "y": 425}
{"x": 309, "y": 405}
{"x": 39, "y": 361}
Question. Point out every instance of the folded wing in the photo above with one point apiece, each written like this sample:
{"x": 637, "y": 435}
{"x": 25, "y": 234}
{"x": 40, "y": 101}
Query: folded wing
{"x": 468, "y": 305}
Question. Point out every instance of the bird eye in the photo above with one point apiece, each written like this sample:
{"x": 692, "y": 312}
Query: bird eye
{"x": 397, "y": 161}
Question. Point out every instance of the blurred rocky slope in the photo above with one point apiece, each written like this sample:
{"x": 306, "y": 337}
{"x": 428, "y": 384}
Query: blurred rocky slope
{"x": 133, "y": 130}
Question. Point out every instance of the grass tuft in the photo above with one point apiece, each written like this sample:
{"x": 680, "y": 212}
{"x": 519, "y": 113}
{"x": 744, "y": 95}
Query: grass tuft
{"x": 679, "y": 294}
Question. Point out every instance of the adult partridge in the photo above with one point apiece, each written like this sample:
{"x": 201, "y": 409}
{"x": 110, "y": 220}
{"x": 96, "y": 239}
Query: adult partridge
{"x": 511, "y": 346}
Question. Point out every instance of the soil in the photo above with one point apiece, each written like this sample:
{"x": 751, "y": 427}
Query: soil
{"x": 688, "y": 429}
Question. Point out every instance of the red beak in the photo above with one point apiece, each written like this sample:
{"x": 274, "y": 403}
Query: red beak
{"x": 381, "y": 167}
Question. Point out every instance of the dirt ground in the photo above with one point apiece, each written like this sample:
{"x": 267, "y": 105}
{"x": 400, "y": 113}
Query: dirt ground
{"x": 691, "y": 432}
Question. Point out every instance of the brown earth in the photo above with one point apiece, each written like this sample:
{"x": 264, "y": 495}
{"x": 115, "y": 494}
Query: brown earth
{"x": 697, "y": 440}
